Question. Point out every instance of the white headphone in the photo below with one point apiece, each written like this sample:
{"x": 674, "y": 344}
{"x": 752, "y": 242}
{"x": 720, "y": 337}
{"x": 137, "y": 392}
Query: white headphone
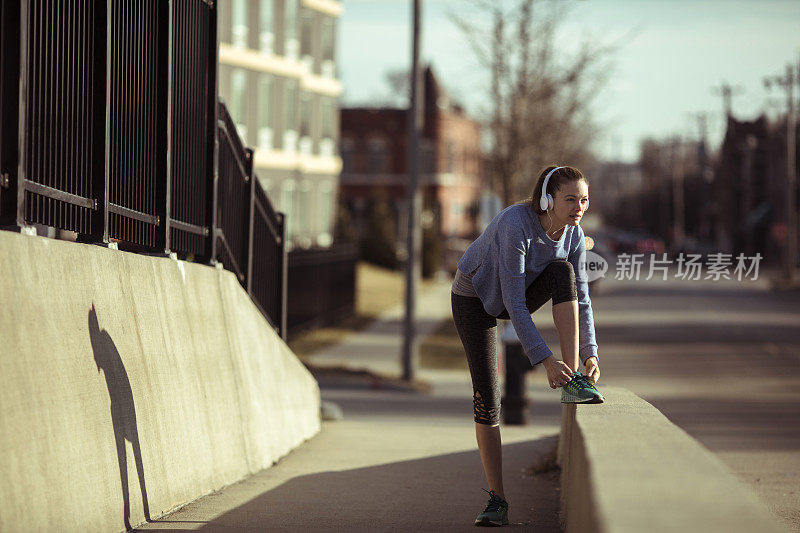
{"x": 546, "y": 201}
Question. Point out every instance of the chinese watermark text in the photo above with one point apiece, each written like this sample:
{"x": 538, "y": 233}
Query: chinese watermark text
{"x": 688, "y": 266}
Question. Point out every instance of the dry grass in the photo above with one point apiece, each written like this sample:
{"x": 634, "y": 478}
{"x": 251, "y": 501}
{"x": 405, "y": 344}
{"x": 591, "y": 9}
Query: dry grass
{"x": 443, "y": 349}
{"x": 314, "y": 340}
{"x": 377, "y": 290}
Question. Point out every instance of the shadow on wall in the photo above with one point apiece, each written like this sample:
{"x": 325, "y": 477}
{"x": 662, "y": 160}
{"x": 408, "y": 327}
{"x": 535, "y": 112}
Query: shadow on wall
{"x": 123, "y": 412}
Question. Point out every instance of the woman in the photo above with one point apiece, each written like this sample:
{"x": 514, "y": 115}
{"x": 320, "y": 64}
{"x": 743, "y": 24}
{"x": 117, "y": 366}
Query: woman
{"x": 531, "y": 252}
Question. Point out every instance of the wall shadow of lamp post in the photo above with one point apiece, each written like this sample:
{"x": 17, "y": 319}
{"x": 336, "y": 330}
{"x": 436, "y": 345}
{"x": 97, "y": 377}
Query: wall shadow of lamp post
{"x": 123, "y": 412}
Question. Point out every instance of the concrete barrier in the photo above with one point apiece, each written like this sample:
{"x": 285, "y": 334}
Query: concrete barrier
{"x": 626, "y": 468}
{"x": 132, "y": 385}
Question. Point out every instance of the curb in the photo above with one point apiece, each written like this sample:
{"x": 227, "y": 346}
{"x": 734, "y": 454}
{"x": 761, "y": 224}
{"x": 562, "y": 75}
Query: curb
{"x": 626, "y": 468}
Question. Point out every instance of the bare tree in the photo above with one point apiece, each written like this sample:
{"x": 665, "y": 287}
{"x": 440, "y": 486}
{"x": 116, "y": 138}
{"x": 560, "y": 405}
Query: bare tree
{"x": 398, "y": 85}
{"x": 539, "y": 100}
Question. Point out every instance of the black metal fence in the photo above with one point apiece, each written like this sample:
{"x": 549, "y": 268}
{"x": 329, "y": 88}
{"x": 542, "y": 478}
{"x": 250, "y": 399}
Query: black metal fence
{"x": 250, "y": 234}
{"x": 110, "y": 122}
{"x": 235, "y": 191}
{"x": 194, "y": 129}
{"x": 135, "y": 135}
{"x": 322, "y": 285}
{"x": 60, "y": 113}
{"x": 267, "y": 282}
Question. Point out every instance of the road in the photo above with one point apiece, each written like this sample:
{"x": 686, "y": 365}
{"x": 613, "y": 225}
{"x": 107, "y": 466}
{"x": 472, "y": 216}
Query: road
{"x": 719, "y": 359}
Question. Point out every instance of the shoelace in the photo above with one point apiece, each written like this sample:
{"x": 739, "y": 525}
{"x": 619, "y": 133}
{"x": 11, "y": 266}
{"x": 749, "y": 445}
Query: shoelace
{"x": 585, "y": 381}
{"x": 494, "y": 501}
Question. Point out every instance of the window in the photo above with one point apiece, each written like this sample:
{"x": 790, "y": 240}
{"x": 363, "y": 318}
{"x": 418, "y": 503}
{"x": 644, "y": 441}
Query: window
{"x": 265, "y": 113}
{"x": 449, "y": 157}
{"x": 290, "y": 109}
{"x": 376, "y": 155}
{"x": 239, "y": 23}
{"x": 327, "y": 117}
{"x": 328, "y": 51}
{"x": 426, "y": 156}
{"x": 268, "y": 185}
{"x": 238, "y": 101}
{"x": 307, "y": 39}
{"x": 287, "y": 206}
{"x": 347, "y": 148}
{"x": 266, "y": 35}
{"x": 306, "y": 141}
{"x": 292, "y": 45}
{"x": 325, "y": 210}
{"x": 326, "y": 146}
{"x": 304, "y": 210}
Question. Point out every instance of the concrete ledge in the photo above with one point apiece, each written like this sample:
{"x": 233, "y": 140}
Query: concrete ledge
{"x": 132, "y": 385}
{"x": 627, "y": 468}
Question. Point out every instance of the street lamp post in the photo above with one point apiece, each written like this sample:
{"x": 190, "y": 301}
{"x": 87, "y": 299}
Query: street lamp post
{"x": 413, "y": 236}
{"x": 787, "y": 82}
{"x": 678, "y": 205}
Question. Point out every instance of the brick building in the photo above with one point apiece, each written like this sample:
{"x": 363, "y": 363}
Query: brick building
{"x": 373, "y": 151}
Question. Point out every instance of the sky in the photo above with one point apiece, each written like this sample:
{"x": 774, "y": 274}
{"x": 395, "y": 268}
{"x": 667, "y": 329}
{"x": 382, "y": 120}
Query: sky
{"x": 671, "y": 56}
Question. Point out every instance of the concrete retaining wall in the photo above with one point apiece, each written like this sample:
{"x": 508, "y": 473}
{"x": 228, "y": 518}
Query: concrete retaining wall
{"x": 627, "y": 468}
{"x": 133, "y": 384}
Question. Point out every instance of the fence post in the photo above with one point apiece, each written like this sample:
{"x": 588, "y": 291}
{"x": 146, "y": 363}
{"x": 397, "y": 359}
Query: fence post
{"x": 166, "y": 79}
{"x": 101, "y": 91}
{"x": 213, "y": 118}
{"x": 251, "y": 193}
{"x": 213, "y": 198}
{"x": 283, "y": 273}
{"x": 9, "y": 112}
{"x": 22, "y": 161}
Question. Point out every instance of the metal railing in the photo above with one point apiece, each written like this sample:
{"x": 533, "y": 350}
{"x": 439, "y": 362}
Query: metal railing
{"x": 234, "y": 191}
{"x": 135, "y": 164}
{"x": 194, "y": 129}
{"x": 322, "y": 286}
{"x": 112, "y": 129}
{"x": 59, "y": 178}
{"x": 267, "y": 281}
{"x": 250, "y": 233}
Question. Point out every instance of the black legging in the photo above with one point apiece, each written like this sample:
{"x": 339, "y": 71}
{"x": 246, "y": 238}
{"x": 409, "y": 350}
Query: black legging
{"x": 478, "y": 332}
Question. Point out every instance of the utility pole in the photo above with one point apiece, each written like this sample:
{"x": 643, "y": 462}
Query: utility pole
{"x": 787, "y": 82}
{"x": 702, "y": 145}
{"x": 748, "y": 149}
{"x": 705, "y": 231}
{"x": 678, "y": 209}
{"x": 413, "y": 235}
{"x": 724, "y": 234}
{"x": 727, "y": 92}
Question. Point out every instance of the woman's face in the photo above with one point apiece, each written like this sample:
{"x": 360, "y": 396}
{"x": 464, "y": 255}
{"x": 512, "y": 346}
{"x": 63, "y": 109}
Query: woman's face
{"x": 570, "y": 203}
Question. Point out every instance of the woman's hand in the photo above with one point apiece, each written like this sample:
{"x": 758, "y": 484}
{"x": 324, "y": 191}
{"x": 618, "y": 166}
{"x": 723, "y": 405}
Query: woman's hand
{"x": 593, "y": 369}
{"x": 558, "y": 373}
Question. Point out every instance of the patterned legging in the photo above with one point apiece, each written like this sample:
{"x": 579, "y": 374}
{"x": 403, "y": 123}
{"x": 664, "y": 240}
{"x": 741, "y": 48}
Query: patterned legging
{"x": 478, "y": 332}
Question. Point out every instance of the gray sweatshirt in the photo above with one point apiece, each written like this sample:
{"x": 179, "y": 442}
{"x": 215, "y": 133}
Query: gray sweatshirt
{"x": 512, "y": 251}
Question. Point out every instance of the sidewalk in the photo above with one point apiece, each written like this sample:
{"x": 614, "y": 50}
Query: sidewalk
{"x": 378, "y": 347}
{"x": 399, "y": 460}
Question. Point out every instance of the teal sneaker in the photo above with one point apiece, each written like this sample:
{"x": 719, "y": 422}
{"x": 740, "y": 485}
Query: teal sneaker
{"x": 580, "y": 390}
{"x": 496, "y": 512}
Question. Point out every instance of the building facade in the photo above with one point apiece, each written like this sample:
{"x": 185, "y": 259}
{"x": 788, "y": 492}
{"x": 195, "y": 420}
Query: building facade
{"x": 373, "y": 150}
{"x": 277, "y": 75}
